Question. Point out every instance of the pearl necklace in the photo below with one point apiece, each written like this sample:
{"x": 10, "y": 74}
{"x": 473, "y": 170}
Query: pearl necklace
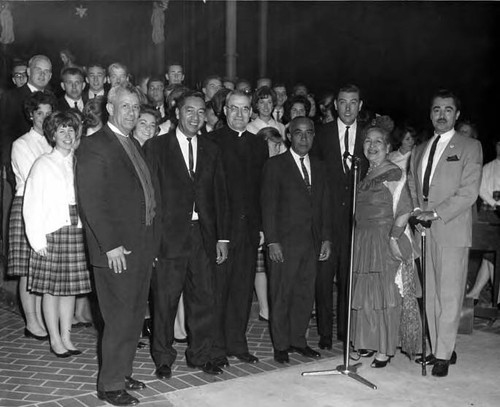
{"x": 373, "y": 166}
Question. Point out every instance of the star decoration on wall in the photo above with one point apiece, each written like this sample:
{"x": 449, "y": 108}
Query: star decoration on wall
{"x": 81, "y": 11}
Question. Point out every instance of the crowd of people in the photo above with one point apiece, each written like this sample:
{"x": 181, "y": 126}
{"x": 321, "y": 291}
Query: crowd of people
{"x": 200, "y": 197}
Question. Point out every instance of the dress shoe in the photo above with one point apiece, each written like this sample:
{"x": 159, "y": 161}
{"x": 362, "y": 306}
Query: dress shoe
{"x": 306, "y": 351}
{"x": 261, "y": 318}
{"x": 181, "y": 340}
{"x": 440, "y": 368}
{"x": 209, "y": 368}
{"x": 246, "y": 357}
{"x": 29, "y": 334}
{"x": 281, "y": 356}
{"x": 163, "y": 372}
{"x": 325, "y": 343}
{"x": 132, "y": 384}
{"x": 380, "y": 363}
{"x": 221, "y": 361}
{"x": 431, "y": 359}
{"x": 63, "y": 355}
{"x": 147, "y": 327}
{"x": 74, "y": 352}
{"x": 81, "y": 325}
{"x": 365, "y": 353}
{"x": 117, "y": 398}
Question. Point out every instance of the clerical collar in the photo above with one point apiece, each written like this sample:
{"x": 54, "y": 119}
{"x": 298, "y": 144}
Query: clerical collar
{"x": 114, "y": 129}
{"x": 239, "y": 133}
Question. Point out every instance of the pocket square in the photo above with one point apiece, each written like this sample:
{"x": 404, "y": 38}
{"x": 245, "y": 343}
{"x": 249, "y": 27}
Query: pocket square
{"x": 452, "y": 158}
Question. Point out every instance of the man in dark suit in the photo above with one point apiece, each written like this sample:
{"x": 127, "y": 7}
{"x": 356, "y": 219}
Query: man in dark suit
{"x": 444, "y": 179}
{"x": 244, "y": 156}
{"x": 297, "y": 226}
{"x": 96, "y": 79}
{"x": 194, "y": 236}
{"x": 118, "y": 204}
{"x": 156, "y": 97}
{"x": 73, "y": 83}
{"x": 335, "y": 144}
{"x": 13, "y": 122}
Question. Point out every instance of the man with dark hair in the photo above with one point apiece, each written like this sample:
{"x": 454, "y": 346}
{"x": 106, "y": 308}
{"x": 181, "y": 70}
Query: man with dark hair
{"x": 336, "y": 143}
{"x": 117, "y": 74}
{"x": 73, "y": 83}
{"x": 174, "y": 74}
{"x": 96, "y": 79}
{"x": 244, "y": 156}
{"x": 19, "y": 74}
{"x": 281, "y": 97}
{"x": 156, "y": 96}
{"x": 444, "y": 179}
{"x": 211, "y": 85}
{"x": 194, "y": 235}
{"x": 117, "y": 200}
{"x": 297, "y": 227}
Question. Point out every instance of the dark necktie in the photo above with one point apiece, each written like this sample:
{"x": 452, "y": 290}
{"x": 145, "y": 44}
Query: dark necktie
{"x": 76, "y": 105}
{"x": 305, "y": 174}
{"x": 428, "y": 169}
{"x": 191, "y": 159}
{"x": 346, "y": 150}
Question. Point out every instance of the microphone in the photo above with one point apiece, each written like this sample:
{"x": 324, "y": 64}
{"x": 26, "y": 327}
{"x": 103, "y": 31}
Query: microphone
{"x": 353, "y": 158}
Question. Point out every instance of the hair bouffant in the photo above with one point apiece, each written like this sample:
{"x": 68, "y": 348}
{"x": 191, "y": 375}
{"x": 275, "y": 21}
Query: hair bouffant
{"x": 39, "y": 98}
{"x": 57, "y": 119}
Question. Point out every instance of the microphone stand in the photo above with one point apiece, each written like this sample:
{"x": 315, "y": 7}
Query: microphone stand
{"x": 346, "y": 369}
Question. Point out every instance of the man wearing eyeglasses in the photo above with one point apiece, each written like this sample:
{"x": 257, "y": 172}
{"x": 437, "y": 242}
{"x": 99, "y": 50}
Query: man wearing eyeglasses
{"x": 243, "y": 155}
{"x": 19, "y": 75}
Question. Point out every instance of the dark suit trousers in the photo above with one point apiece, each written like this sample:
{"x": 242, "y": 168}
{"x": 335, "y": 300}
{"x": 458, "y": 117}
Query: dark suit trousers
{"x": 192, "y": 272}
{"x": 122, "y": 300}
{"x": 336, "y": 265}
{"x": 235, "y": 282}
{"x": 291, "y": 286}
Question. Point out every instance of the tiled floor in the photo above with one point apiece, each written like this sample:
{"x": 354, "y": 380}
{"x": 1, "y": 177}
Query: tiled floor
{"x": 31, "y": 376}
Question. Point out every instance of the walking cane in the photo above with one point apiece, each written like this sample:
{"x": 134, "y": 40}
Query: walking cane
{"x": 423, "y": 238}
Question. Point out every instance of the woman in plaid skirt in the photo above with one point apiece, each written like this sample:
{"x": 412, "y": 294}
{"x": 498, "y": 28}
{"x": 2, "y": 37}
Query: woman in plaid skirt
{"x": 58, "y": 267}
{"x": 25, "y": 150}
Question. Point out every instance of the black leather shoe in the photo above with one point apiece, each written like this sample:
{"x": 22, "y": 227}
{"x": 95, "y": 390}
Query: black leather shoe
{"x": 365, "y": 353}
{"x": 281, "y": 356}
{"x": 431, "y": 359}
{"x": 74, "y": 352}
{"x": 440, "y": 368}
{"x": 29, "y": 334}
{"x": 380, "y": 363}
{"x": 208, "y": 368}
{"x": 63, "y": 355}
{"x": 246, "y": 357}
{"x": 163, "y": 372}
{"x": 118, "y": 398}
{"x": 132, "y": 384}
{"x": 261, "y": 318}
{"x": 181, "y": 340}
{"x": 306, "y": 351}
{"x": 221, "y": 361}
{"x": 325, "y": 343}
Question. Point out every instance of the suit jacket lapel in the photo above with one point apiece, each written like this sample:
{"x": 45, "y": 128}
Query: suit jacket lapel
{"x": 179, "y": 158}
{"x": 123, "y": 154}
{"x": 299, "y": 177}
{"x": 448, "y": 151}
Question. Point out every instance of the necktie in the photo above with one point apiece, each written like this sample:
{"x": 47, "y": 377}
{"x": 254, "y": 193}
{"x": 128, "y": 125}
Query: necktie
{"x": 428, "y": 169}
{"x": 305, "y": 174}
{"x": 76, "y": 105}
{"x": 346, "y": 150}
{"x": 191, "y": 159}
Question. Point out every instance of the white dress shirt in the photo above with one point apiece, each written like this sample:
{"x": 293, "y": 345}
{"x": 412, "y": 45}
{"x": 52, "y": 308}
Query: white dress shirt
{"x": 48, "y": 194}
{"x": 490, "y": 182}
{"x": 25, "y": 150}
{"x": 71, "y": 103}
{"x": 352, "y": 139}
{"x": 184, "y": 144}
{"x": 93, "y": 95}
{"x": 441, "y": 145}
{"x": 307, "y": 164}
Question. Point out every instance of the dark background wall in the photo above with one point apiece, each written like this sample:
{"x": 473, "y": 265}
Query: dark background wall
{"x": 397, "y": 52}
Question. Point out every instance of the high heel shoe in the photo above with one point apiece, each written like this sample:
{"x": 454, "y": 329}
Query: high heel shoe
{"x": 66, "y": 354}
{"x": 29, "y": 334}
{"x": 380, "y": 363}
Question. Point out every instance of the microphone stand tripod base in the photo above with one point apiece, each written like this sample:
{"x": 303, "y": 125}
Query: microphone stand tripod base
{"x": 350, "y": 371}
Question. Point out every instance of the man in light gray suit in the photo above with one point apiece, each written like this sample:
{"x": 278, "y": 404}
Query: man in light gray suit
{"x": 444, "y": 179}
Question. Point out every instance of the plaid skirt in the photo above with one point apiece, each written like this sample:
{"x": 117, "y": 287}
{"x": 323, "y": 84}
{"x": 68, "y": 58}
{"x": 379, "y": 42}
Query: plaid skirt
{"x": 19, "y": 248}
{"x": 64, "y": 270}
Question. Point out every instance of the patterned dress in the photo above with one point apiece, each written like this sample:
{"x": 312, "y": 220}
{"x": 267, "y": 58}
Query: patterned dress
{"x": 377, "y": 302}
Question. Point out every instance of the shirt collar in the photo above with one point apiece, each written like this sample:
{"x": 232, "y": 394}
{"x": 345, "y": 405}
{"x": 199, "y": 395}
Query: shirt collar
{"x": 298, "y": 157}
{"x": 100, "y": 93}
{"x": 180, "y": 135}
{"x": 238, "y": 133}
{"x": 114, "y": 129}
{"x": 58, "y": 155}
{"x": 342, "y": 125}
{"x": 71, "y": 102}
{"x": 445, "y": 137}
{"x": 32, "y": 88}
